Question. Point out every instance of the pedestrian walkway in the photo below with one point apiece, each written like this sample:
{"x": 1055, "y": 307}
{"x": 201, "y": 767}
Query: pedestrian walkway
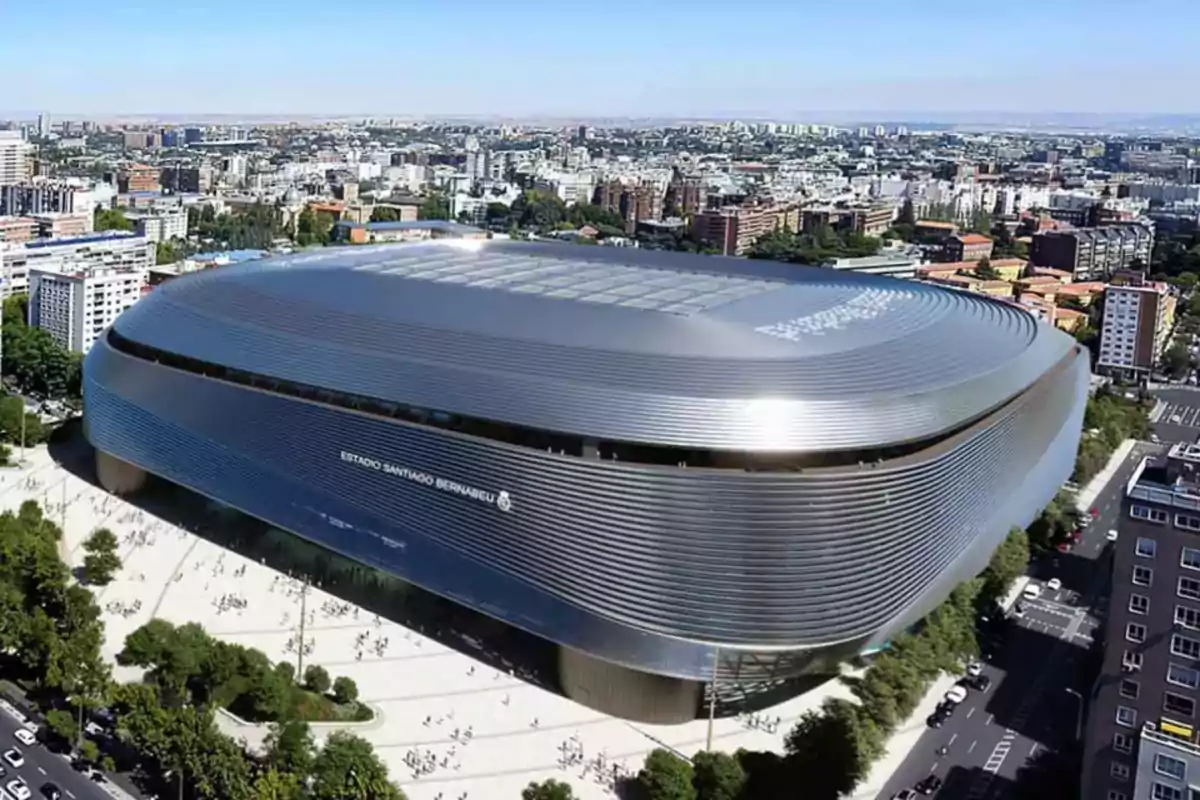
{"x": 1088, "y": 494}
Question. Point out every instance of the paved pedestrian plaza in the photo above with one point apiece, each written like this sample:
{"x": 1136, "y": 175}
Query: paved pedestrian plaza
{"x": 448, "y": 727}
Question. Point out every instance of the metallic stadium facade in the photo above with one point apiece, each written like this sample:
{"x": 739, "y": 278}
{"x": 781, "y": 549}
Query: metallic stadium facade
{"x": 671, "y": 466}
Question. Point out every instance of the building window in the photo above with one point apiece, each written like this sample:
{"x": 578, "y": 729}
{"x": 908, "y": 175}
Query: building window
{"x": 1178, "y": 704}
{"x": 1171, "y": 767}
{"x": 1148, "y": 514}
{"x": 1113, "y": 794}
{"x": 1187, "y": 521}
{"x": 1145, "y": 547}
{"x": 1126, "y": 716}
{"x": 1122, "y": 743}
{"x": 1139, "y": 604}
{"x": 1161, "y": 791}
{"x": 1187, "y": 617}
{"x": 1190, "y": 558}
{"x": 1131, "y": 660}
{"x": 1119, "y": 771}
{"x": 1143, "y": 576}
{"x": 1189, "y": 588}
{"x": 1130, "y": 689}
{"x": 1183, "y": 676}
{"x": 1135, "y": 632}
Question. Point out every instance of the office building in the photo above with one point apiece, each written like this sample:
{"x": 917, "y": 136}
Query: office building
{"x": 733, "y": 230}
{"x": 1138, "y": 317}
{"x": 138, "y": 178}
{"x": 186, "y": 180}
{"x": 971, "y": 247}
{"x": 533, "y": 430}
{"x": 1141, "y": 741}
{"x": 1094, "y": 253}
{"x": 16, "y": 158}
{"x": 72, "y": 255}
{"x": 40, "y": 197}
{"x": 76, "y": 306}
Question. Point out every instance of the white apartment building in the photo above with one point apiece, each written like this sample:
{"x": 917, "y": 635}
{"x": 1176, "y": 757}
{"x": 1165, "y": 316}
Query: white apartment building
{"x": 77, "y": 307}
{"x": 1138, "y": 315}
{"x": 71, "y": 255}
{"x": 160, "y": 226}
{"x": 16, "y": 158}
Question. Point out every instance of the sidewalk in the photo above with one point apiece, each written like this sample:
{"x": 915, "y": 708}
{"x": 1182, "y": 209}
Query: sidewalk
{"x": 1088, "y": 494}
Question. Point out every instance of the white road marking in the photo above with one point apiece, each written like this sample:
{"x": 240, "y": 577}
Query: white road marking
{"x": 952, "y": 738}
{"x": 1033, "y": 749}
{"x": 989, "y": 719}
{"x": 69, "y": 794}
{"x": 39, "y": 769}
{"x": 970, "y": 712}
{"x": 996, "y": 759}
{"x": 971, "y": 749}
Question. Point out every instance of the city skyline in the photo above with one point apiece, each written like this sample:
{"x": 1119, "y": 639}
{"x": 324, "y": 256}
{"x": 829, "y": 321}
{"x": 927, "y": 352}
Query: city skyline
{"x": 672, "y": 60}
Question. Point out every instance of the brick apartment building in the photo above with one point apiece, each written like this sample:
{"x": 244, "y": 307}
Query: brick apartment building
{"x": 633, "y": 202}
{"x": 732, "y": 230}
{"x": 967, "y": 247}
{"x": 1138, "y": 317}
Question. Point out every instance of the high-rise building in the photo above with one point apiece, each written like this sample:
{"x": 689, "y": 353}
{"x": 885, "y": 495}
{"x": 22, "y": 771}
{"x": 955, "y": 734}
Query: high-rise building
{"x": 1141, "y": 740}
{"x": 16, "y": 158}
{"x": 733, "y": 230}
{"x": 42, "y": 197}
{"x": 76, "y": 306}
{"x": 1138, "y": 316}
{"x": 637, "y": 201}
{"x": 43, "y": 125}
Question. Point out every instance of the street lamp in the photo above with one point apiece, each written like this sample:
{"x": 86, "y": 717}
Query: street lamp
{"x": 1079, "y": 713}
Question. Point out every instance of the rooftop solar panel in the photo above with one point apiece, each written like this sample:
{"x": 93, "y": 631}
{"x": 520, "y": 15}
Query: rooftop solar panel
{"x": 648, "y": 288}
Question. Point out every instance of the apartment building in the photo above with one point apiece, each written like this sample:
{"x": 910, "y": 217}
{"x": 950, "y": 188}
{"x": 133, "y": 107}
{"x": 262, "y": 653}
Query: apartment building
{"x": 16, "y": 158}
{"x": 967, "y": 247}
{"x": 71, "y": 255}
{"x": 733, "y": 230}
{"x": 1141, "y": 739}
{"x": 41, "y": 197}
{"x": 138, "y": 178}
{"x": 1094, "y": 253}
{"x": 632, "y": 201}
{"x": 75, "y": 307}
{"x": 160, "y": 226}
{"x": 1138, "y": 316}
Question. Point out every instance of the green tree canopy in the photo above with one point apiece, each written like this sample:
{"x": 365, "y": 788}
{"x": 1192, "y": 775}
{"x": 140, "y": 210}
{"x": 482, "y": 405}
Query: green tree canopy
{"x": 435, "y": 206}
{"x": 348, "y": 769}
{"x": 666, "y": 776}
{"x": 717, "y": 776}
{"x": 110, "y": 219}
{"x": 345, "y": 690}
{"x": 316, "y": 679}
{"x": 548, "y": 789}
{"x": 101, "y": 561}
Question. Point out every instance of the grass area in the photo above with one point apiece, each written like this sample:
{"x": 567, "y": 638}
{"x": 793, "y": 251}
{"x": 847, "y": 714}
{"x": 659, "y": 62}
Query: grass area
{"x": 312, "y": 707}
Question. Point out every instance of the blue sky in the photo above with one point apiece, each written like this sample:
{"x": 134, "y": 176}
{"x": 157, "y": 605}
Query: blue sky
{"x": 784, "y": 59}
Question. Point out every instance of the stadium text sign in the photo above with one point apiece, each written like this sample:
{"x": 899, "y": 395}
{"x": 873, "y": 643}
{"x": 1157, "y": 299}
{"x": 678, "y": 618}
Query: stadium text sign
{"x": 500, "y": 500}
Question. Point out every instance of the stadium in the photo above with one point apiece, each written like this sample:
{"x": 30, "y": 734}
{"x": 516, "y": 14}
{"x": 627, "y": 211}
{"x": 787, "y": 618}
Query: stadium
{"x": 675, "y": 468}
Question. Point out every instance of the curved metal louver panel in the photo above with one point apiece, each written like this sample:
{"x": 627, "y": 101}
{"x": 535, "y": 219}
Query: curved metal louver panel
{"x": 648, "y": 566}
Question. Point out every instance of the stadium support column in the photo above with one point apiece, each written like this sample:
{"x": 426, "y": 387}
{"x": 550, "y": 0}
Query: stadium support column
{"x": 627, "y": 693}
{"x": 117, "y": 476}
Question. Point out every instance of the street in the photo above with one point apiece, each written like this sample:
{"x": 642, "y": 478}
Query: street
{"x": 42, "y": 766}
{"x": 1180, "y": 419}
{"x": 1037, "y": 661}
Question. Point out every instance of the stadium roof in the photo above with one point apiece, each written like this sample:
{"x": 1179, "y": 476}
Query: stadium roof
{"x": 686, "y": 350}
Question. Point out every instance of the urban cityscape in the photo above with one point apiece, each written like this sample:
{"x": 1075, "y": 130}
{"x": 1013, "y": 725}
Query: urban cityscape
{"x": 704, "y": 440}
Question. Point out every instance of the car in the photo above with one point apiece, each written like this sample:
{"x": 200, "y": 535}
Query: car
{"x": 1063, "y": 547}
{"x": 1054, "y": 584}
{"x": 1032, "y": 591}
{"x": 1112, "y": 535}
{"x": 51, "y": 792}
{"x": 1176, "y": 419}
{"x": 929, "y": 784}
{"x": 955, "y": 695}
{"x": 19, "y": 789}
{"x": 1154, "y": 438}
{"x": 25, "y": 737}
{"x": 14, "y": 758}
{"x": 905, "y": 794}
{"x": 980, "y": 683}
{"x": 974, "y": 668}
{"x": 940, "y": 715}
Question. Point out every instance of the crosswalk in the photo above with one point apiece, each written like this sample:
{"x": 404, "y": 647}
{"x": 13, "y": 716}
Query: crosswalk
{"x": 1185, "y": 414}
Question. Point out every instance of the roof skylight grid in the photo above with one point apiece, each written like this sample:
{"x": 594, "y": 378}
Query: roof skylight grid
{"x": 682, "y": 293}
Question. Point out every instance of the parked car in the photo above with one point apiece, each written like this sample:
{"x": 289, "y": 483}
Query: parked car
{"x": 1032, "y": 591}
{"x": 25, "y": 737}
{"x": 929, "y": 784}
{"x": 1054, "y": 584}
{"x": 980, "y": 683}
{"x": 955, "y": 695}
{"x": 1112, "y": 535}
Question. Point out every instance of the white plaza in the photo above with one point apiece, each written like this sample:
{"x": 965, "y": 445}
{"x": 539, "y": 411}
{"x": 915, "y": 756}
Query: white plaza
{"x": 447, "y": 726}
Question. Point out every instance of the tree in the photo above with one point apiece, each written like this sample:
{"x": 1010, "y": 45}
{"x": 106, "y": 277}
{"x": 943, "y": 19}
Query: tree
{"x": 985, "y": 271}
{"x": 101, "y": 561}
{"x": 824, "y": 753}
{"x": 89, "y": 751}
{"x": 345, "y": 690}
{"x": 316, "y": 679}
{"x": 1178, "y": 359}
{"x": 61, "y": 724}
{"x": 1008, "y": 563}
{"x": 666, "y": 776}
{"x": 435, "y": 206}
{"x": 347, "y": 768}
{"x": 538, "y": 210}
{"x": 274, "y": 785}
{"x": 291, "y": 749}
{"x": 313, "y": 227}
{"x": 110, "y": 219}
{"x": 548, "y": 789}
{"x": 716, "y": 776}
{"x": 384, "y": 214}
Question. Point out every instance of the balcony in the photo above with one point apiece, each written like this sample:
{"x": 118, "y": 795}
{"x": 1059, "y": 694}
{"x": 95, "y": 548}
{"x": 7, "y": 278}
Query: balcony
{"x": 1172, "y": 734}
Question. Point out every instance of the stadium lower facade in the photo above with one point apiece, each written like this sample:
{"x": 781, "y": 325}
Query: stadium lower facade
{"x": 673, "y": 467}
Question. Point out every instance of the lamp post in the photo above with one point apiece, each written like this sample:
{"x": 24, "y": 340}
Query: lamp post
{"x": 1078, "y": 714}
{"x": 712, "y": 698}
{"x": 303, "y": 620}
